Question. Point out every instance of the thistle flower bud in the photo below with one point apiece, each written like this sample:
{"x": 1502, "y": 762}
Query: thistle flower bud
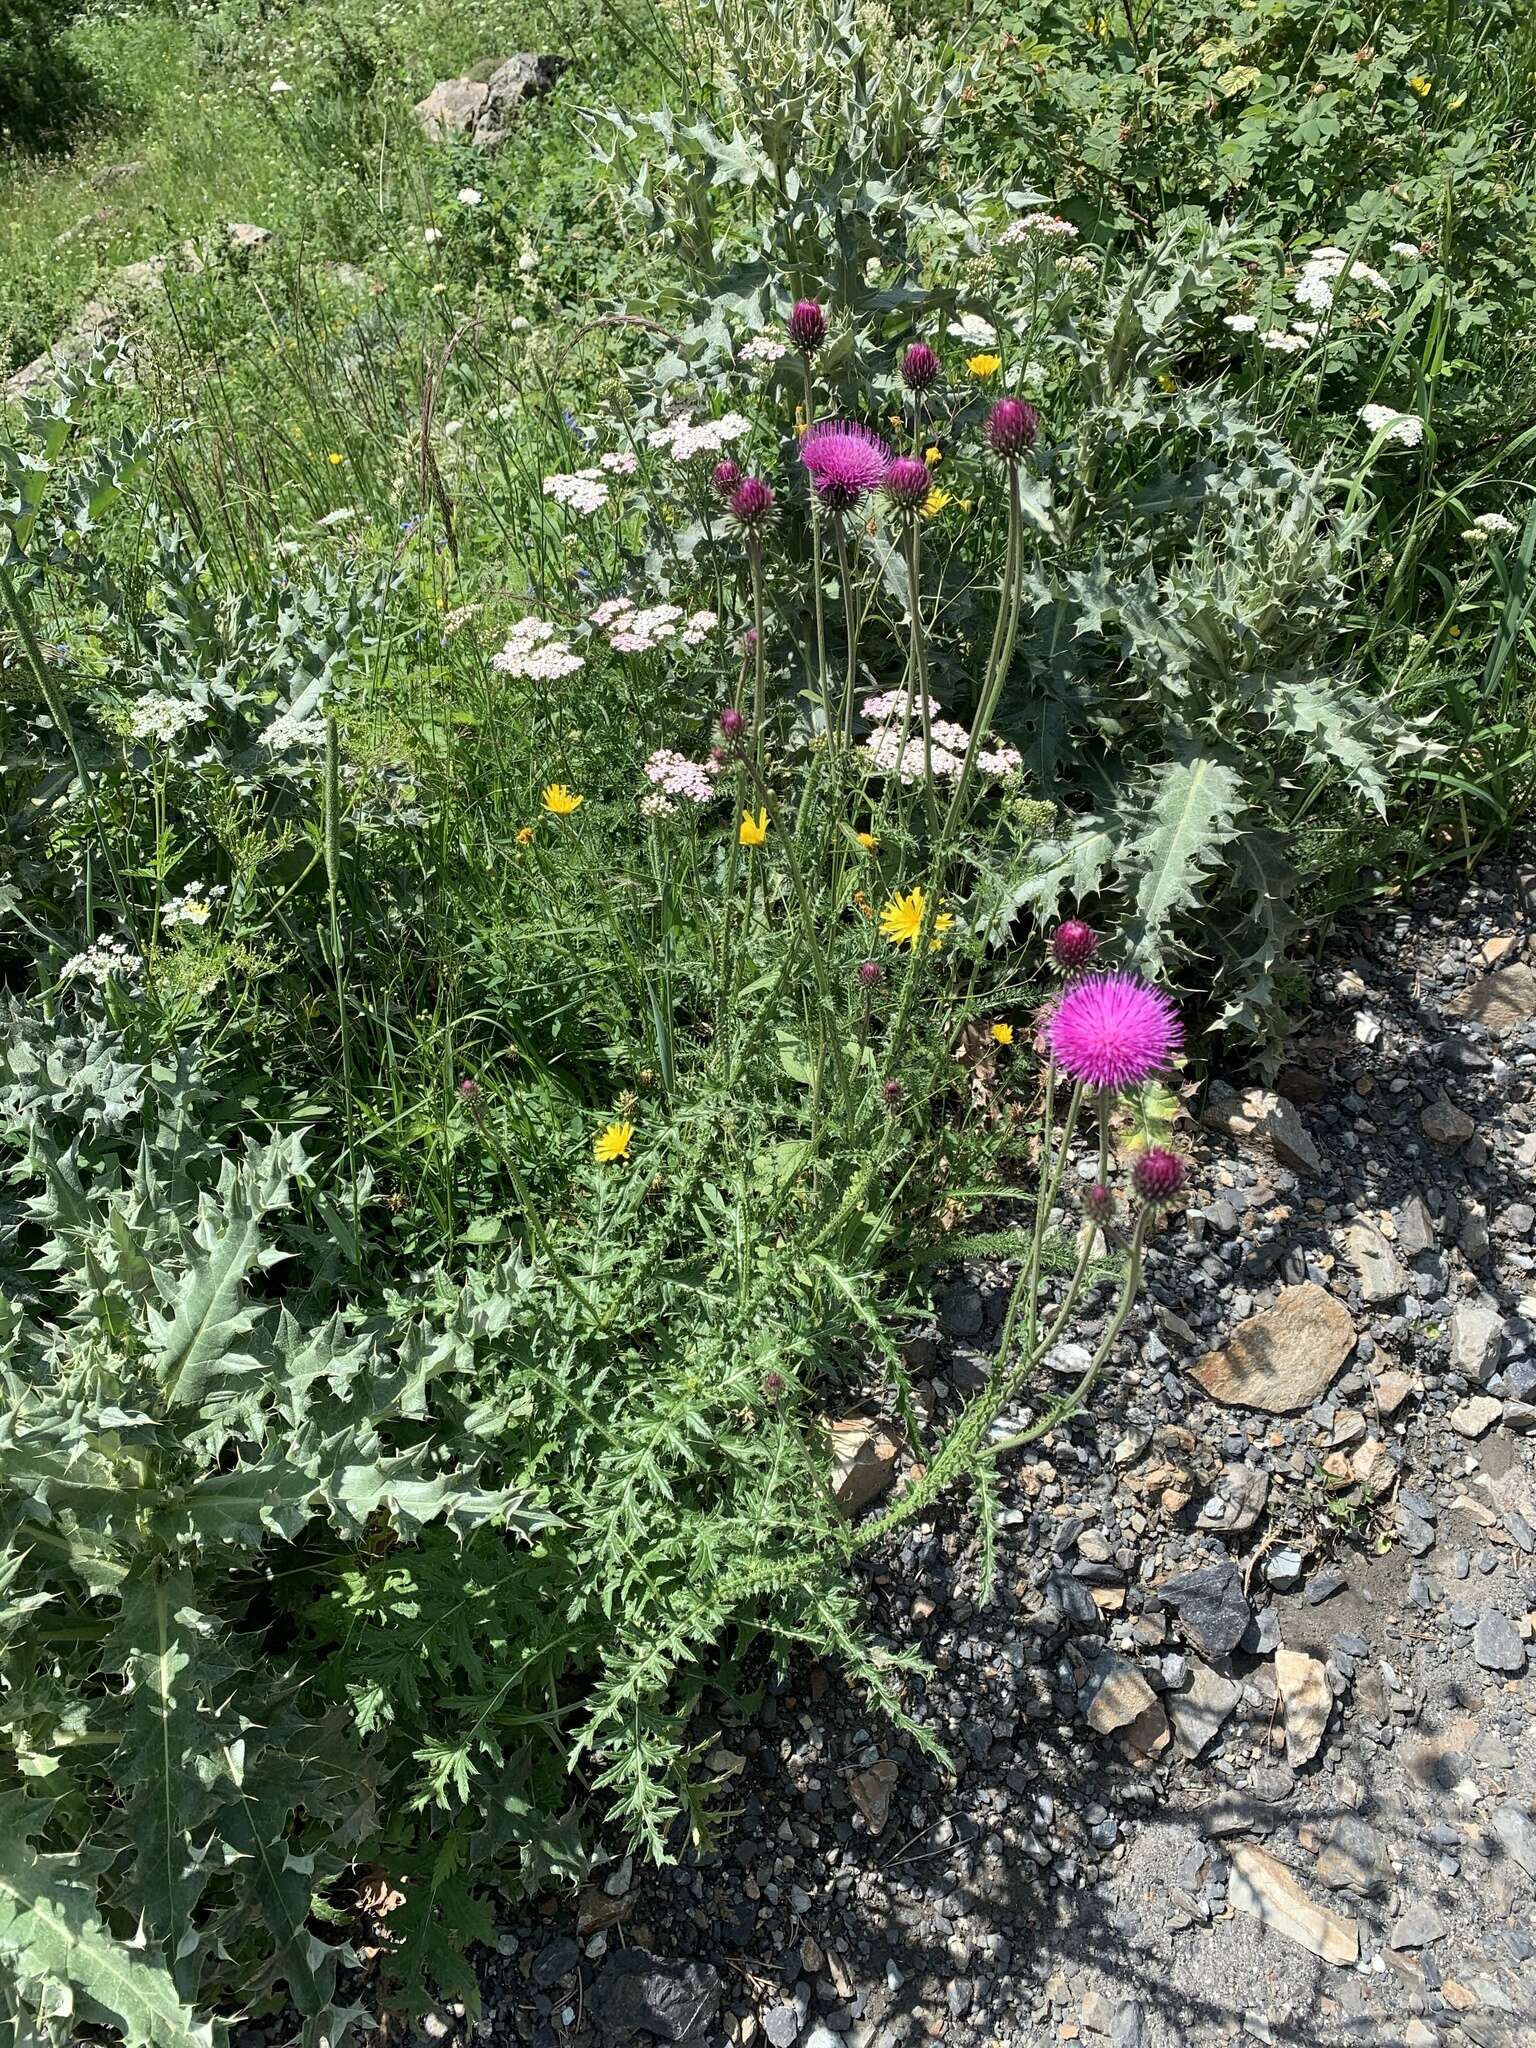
{"x": 1073, "y": 944}
{"x": 725, "y": 476}
{"x": 1158, "y": 1174}
{"x": 773, "y": 1385}
{"x": 1011, "y": 428}
{"x": 868, "y": 972}
{"x": 907, "y": 483}
{"x": 1098, "y": 1201}
{"x": 807, "y": 326}
{"x": 920, "y": 367}
{"x": 892, "y": 1094}
{"x": 751, "y": 502}
{"x": 733, "y": 723}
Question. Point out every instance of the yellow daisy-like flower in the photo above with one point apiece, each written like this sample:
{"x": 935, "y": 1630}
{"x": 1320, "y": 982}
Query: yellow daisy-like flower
{"x": 1003, "y": 1033}
{"x": 335, "y": 458}
{"x": 612, "y": 1143}
{"x": 1420, "y": 84}
{"x": 525, "y": 836}
{"x": 867, "y": 840}
{"x": 984, "y": 365}
{"x": 934, "y": 503}
{"x": 562, "y": 801}
{"x": 901, "y": 921}
{"x": 754, "y": 831}
{"x": 933, "y": 456}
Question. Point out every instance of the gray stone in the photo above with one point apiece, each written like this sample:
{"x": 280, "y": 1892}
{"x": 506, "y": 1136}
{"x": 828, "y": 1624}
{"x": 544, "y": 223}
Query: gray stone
{"x": 1197, "y": 1713}
{"x": 1419, "y": 1926}
{"x": 782, "y": 2023}
{"x": 1355, "y": 1858}
{"x": 1444, "y": 1124}
{"x": 1475, "y": 1416}
{"x": 1382, "y": 1279}
{"x": 481, "y": 111}
{"x": 1477, "y": 1339}
{"x": 1128, "y": 2027}
{"x": 1496, "y": 1642}
{"x": 555, "y": 1960}
{"x": 1516, "y": 1832}
{"x": 1263, "y": 1121}
{"x": 1415, "y": 1229}
{"x": 638, "y": 1992}
{"x": 1212, "y": 1606}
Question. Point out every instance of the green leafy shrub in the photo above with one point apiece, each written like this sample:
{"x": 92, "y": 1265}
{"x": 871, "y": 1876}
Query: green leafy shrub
{"x": 43, "y": 88}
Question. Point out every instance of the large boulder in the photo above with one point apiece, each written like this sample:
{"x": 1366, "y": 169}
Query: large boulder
{"x": 481, "y": 111}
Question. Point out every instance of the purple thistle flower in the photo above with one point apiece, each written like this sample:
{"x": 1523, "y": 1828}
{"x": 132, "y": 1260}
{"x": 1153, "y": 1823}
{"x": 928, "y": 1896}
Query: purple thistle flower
{"x": 1074, "y": 943}
{"x": 920, "y": 367}
{"x": 907, "y": 483}
{"x": 868, "y": 972}
{"x": 891, "y": 1093}
{"x": 1158, "y": 1174}
{"x": 1098, "y": 1201}
{"x": 726, "y": 476}
{"x": 1113, "y": 1031}
{"x": 807, "y": 326}
{"x": 844, "y": 461}
{"x": 732, "y": 722}
{"x": 750, "y": 502}
{"x": 1011, "y": 428}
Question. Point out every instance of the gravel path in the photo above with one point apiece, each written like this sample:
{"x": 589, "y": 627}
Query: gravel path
{"x": 1245, "y": 1738}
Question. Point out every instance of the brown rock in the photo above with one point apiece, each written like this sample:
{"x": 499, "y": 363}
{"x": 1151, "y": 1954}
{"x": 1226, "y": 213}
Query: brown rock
{"x": 1392, "y": 1390}
{"x": 1266, "y": 1889}
{"x": 1475, "y": 1416}
{"x": 1303, "y": 1683}
{"x": 1116, "y": 1695}
{"x": 871, "y": 1793}
{"x": 864, "y": 1455}
{"x": 1282, "y": 1360}
{"x": 1501, "y": 1000}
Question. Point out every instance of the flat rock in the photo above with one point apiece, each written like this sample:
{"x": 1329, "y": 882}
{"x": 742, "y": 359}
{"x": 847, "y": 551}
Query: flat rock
{"x": 1238, "y": 1502}
{"x": 864, "y": 1458}
{"x": 1263, "y": 1121}
{"x": 1516, "y": 1832}
{"x": 871, "y": 1791}
{"x": 638, "y": 1992}
{"x": 1477, "y": 1340}
{"x": 1198, "y": 1712}
{"x": 1416, "y": 1233}
{"x": 1496, "y": 1642}
{"x": 1418, "y": 1926}
{"x": 1475, "y": 1416}
{"x": 1392, "y": 1389}
{"x": 1501, "y": 1000}
{"x": 481, "y": 111}
{"x": 1115, "y": 1695}
{"x": 1354, "y": 1859}
{"x": 1212, "y": 1606}
{"x": 1266, "y": 1889}
{"x": 1382, "y": 1279}
{"x": 1303, "y": 1683}
{"x": 1282, "y": 1360}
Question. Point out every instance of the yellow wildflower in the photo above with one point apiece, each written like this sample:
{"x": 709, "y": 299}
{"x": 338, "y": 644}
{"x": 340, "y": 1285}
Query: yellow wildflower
{"x": 933, "y": 456}
{"x": 868, "y": 841}
{"x": 525, "y": 836}
{"x": 901, "y": 921}
{"x": 612, "y": 1143}
{"x": 984, "y": 365}
{"x": 754, "y": 831}
{"x": 1003, "y": 1033}
{"x": 562, "y": 801}
{"x": 1420, "y": 84}
{"x": 934, "y": 504}
{"x": 335, "y": 458}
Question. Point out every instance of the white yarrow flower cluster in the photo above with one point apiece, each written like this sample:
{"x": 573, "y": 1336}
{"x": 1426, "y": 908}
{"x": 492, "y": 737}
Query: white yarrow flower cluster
{"x": 620, "y": 462}
{"x": 584, "y": 491}
{"x": 684, "y": 438}
{"x": 1406, "y": 428}
{"x": 1490, "y": 526}
{"x": 762, "y": 348}
{"x": 470, "y": 195}
{"x": 635, "y": 629}
{"x": 536, "y": 652}
{"x": 1322, "y": 270}
{"x": 108, "y": 960}
{"x": 970, "y": 327}
{"x": 1409, "y": 251}
{"x": 1240, "y": 323}
{"x": 948, "y": 742}
{"x": 1051, "y": 226}
{"x": 286, "y": 733}
{"x": 163, "y": 718}
{"x": 1282, "y": 343}
{"x": 194, "y": 905}
{"x": 676, "y": 776}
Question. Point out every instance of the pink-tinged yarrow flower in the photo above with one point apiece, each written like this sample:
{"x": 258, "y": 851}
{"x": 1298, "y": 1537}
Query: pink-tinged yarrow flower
{"x": 725, "y": 476}
{"x": 751, "y": 502}
{"x": 844, "y": 461}
{"x": 807, "y": 326}
{"x": 868, "y": 972}
{"x": 907, "y": 483}
{"x": 1113, "y": 1031}
{"x": 920, "y": 367}
{"x": 1073, "y": 943}
{"x": 1158, "y": 1174}
{"x": 732, "y": 722}
{"x": 1011, "y": 427}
